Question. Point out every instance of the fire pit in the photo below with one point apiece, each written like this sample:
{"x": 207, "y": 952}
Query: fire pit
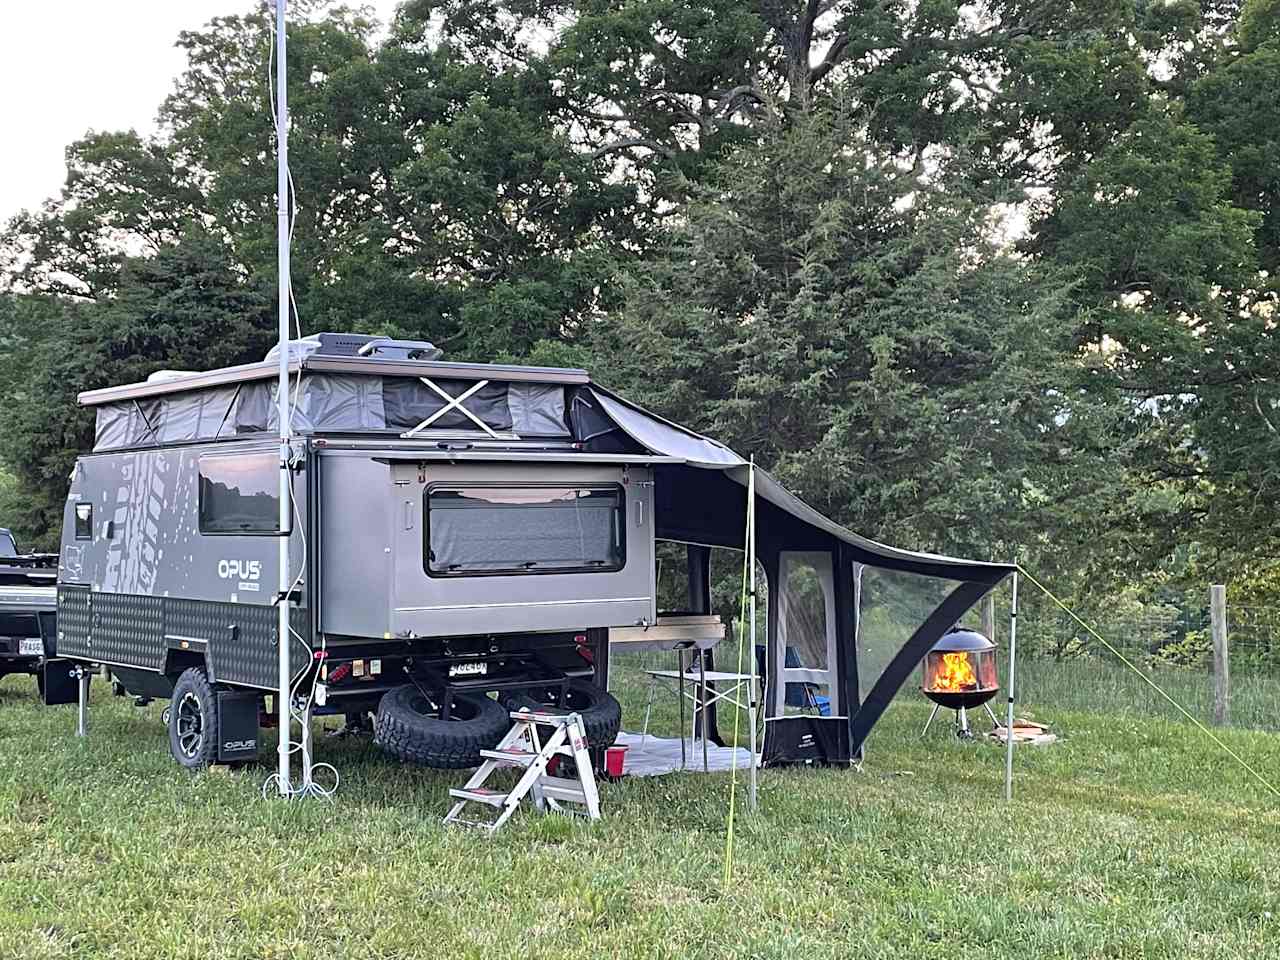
{"x": 960, "y": 673}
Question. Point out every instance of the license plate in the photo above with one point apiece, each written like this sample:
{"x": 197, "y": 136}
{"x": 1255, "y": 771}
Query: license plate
{"x": 469, "y": 669}
{"x": 31, "y": 647}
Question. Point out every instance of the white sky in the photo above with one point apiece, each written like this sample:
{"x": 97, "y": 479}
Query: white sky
{"x": 67, "y": 66}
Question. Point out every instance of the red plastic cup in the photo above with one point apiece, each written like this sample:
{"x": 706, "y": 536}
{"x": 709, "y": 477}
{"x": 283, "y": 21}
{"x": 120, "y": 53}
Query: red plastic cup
{"x": 614, "y": 760}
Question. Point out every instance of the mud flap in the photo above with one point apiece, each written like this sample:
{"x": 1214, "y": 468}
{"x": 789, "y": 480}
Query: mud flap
{"x": 237, "y": 726}
{"x": 57, "y": 683}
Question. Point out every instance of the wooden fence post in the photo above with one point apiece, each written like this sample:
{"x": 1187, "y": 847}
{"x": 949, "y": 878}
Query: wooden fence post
{"x": 1221, "y": 662}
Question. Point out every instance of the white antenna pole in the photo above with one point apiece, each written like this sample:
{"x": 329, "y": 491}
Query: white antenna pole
{"x": 282, "y": 241}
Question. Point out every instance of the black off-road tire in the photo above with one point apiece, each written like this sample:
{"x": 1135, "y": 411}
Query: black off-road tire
{"x": 193, "y": 720}
{"x": 600, "y": 711}
{"x": 407, "y": 727}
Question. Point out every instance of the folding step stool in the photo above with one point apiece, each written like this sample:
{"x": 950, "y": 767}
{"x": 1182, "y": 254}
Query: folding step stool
{"x": 523, "y": 748}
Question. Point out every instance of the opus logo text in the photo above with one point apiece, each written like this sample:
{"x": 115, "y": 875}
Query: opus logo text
{"x": 247, "y": 573}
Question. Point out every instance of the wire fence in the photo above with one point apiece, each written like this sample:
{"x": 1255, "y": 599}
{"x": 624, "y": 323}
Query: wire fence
{"x": 1062, "y": 668}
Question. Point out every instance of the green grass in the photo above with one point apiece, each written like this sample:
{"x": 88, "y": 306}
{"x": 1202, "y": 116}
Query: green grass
{"x": 1103, "y": 683}
{"x": 1129, "y": 838}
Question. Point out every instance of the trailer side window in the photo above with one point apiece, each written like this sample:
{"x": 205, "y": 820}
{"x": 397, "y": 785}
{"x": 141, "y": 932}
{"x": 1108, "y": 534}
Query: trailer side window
{"x": 238, "y": 493}
{"x": 84, "y": 521}
{"x": 486, "y": 530}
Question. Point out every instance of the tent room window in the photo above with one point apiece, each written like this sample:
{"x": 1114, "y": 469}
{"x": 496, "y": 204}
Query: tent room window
{"x": 481, "y": 530}
{"x": 239, "y": 494}
{"x": 806, "y": 629}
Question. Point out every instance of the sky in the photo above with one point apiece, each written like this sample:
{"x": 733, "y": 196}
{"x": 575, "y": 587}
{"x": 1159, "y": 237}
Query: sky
{"x": 68, "y": 66}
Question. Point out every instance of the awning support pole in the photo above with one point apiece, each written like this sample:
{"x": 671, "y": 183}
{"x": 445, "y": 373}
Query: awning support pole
{"x": 1008, "y": 724}
{"x": 282, "y": 402}
{"x": 751, "y": 648}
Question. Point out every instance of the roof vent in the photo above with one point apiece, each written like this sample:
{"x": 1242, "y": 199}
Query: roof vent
{"x": 358, "y": 345}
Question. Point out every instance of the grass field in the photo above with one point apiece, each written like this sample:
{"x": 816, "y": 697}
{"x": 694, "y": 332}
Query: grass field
{"x": 1130, "y": 838}
{"x": 1102, "y": 683}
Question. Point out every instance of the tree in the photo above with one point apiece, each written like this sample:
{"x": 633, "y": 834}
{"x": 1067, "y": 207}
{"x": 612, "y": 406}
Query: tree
{"x": 186, "y": 307}
{"x": 867, "y": 341}
{"x": 123, "y": 196}
{"x": 1178, "y": 312}
{"x": 434, "y": 194}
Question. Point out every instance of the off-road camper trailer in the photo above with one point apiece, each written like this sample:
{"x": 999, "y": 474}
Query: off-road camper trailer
{"x": 460, "y": 531}
{"x": 449, "y": 533}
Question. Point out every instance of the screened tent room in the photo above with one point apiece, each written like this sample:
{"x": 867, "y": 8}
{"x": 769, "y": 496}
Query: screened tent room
{"x": 849, "y": 619}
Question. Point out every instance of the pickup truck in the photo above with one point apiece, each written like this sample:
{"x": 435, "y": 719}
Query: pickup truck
{"x": 28, "y": 609}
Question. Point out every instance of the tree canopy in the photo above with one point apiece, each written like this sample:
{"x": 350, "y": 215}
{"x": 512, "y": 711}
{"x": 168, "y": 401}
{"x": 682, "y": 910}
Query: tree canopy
{"x": 981, "y": 277}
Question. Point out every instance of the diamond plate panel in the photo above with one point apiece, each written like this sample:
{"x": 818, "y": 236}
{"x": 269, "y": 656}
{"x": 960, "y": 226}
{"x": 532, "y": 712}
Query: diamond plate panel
{"x": 132, "y": 630}
{"x": 74, "y": 621}
{"x": 128, "y": 629}
{"x": 241, "y": 638}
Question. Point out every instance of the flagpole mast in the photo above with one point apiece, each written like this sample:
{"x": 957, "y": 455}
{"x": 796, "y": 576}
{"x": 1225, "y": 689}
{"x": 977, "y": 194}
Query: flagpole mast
{"x": 282, "y": 398}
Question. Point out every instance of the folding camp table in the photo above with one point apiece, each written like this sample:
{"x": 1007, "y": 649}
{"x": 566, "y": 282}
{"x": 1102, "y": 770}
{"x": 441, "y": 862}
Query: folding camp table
{"x": 729, "y": 687}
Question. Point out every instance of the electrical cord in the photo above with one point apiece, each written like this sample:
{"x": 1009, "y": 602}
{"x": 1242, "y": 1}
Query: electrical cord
{"x": 300, "y": 714}
{"x": 292, "y": 200}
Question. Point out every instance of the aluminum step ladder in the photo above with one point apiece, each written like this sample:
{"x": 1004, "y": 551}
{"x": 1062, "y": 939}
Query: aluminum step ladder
{"x": 523, "y": 748}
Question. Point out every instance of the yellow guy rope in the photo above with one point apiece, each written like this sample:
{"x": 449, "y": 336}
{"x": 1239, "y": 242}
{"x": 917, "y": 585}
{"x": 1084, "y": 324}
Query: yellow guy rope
{"x": 742, "y": 635}
{"x": 1153, "y": 685}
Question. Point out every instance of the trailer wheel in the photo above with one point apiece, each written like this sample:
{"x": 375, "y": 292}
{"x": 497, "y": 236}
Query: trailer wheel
{"x": 193, "y": 720}
{"x": 600, "y": 711}
{"x": 408, "y": 726}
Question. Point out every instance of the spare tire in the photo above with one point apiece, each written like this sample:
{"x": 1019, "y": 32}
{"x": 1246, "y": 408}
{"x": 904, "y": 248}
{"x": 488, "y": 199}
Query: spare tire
{"x": 408, "y": 726}
{"x": 600, "y": 711}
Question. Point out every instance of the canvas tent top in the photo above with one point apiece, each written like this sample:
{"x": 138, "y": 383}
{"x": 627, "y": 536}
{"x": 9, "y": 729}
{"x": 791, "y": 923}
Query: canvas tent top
{"x": 267, "y": 370}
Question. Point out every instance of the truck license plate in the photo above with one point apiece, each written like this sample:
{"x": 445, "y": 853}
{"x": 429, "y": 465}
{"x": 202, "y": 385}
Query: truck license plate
{"x": 31, "y": 647}
{"x": 469, "y": 669}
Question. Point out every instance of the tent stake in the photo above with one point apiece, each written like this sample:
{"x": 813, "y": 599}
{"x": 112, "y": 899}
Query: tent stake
{"x": 1008, "y": 725}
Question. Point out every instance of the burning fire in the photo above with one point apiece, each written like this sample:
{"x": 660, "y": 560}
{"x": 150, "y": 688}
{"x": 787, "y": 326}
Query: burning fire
{"x": 954, "y": 674}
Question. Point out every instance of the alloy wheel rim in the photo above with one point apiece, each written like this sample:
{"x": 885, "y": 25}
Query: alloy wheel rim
{"x": 190, "y": 725}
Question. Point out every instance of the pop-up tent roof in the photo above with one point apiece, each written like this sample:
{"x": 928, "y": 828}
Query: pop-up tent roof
{"x": 828, "y": 679}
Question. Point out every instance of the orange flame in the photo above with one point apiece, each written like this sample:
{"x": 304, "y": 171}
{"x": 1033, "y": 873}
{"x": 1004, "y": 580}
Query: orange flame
{"x": 955, "y": 674}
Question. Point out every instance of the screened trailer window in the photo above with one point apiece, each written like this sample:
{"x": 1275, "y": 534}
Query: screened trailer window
{"x": 484, "y": 530}
{"x": 239, "y": 494}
